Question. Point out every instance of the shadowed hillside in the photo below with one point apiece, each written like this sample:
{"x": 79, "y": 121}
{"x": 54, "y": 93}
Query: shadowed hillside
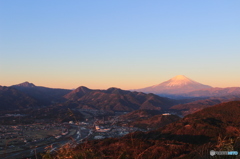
{"x": 114, "y": 99}
{"x": 11, "y": 99}
{"x": 43, "y": 95}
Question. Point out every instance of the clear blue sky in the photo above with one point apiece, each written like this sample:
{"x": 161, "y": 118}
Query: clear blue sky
{"x": 128, "y": 44}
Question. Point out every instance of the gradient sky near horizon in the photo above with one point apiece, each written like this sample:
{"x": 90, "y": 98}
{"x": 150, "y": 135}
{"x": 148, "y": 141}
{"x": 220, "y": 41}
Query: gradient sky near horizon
{"x": 125, "y": 44}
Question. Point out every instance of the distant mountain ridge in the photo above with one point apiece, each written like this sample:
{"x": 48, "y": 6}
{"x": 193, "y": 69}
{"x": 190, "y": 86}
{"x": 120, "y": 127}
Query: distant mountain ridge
{"x": 11, "y": 99}
{"x": 176, "y": 85}
{"x": 112, "y": 99}
{"x": 211, "y": 92}
{"x": 194, "y": 106}
{"x": 43, "y": 95}
{"x": 115, "y": 99}
{"x": 25, "y": 84}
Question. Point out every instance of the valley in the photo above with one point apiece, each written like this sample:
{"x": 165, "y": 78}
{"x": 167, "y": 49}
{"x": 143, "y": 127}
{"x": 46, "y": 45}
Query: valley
{"x": 28, "y": 139}
{"x": 33, "y": 118}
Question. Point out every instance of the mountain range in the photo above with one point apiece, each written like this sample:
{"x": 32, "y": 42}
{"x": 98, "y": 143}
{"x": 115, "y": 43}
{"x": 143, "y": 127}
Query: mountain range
{"x": 196, "y": 96}
{"x": 204, "y": 127}
{"x": 115, "y": 99}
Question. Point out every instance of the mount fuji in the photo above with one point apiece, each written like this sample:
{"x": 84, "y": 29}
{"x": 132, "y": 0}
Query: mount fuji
{"x": 175, "y": 86}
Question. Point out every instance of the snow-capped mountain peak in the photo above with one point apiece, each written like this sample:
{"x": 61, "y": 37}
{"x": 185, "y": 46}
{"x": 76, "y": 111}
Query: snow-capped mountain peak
{"x": 179, "y": 80}
{"x": 180, "y": 77}
{"x": 176, "y": 85}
